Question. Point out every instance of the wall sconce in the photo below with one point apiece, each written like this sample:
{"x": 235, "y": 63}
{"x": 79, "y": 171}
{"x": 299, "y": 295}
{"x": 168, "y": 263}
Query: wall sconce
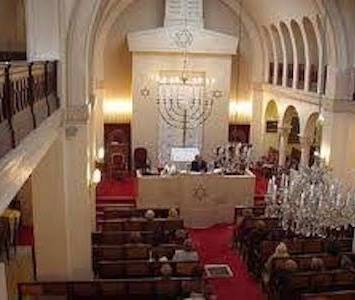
{"x": 96, "y": 177}
{"x": 100, "y": 154}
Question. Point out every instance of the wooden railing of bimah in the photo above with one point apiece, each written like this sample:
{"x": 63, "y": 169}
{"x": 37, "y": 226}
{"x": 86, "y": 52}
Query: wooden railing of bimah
{"x": 28, "y": 95}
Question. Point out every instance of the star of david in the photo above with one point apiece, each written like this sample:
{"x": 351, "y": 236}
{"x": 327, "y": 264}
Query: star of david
{"x": 199, "y": 192}
{"x": 183, "y": 38}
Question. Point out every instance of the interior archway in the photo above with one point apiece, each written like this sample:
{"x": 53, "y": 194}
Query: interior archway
{"x": 291, "y": 122}
{"x": 279, "y": 53}
{"x": 289, "y": 53}
{"x": 313, "y": 53}
{"x": 313, "y": 132}
{"x": 271, "y": 118}
{"x": 270, "y": 55}
{"x": 296, "y": 31}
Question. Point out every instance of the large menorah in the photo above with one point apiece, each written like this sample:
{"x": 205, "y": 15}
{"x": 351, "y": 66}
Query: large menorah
{"x": 183, "y": 102}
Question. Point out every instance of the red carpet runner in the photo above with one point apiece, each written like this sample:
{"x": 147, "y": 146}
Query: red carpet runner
{"x": 213, "y": 245}
{"x": 114, "y": 191}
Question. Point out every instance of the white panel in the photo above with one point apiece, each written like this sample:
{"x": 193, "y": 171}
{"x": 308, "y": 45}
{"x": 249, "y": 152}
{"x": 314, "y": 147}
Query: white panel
{"x": 42, "y": 30}
{"x": 179, "y": 12}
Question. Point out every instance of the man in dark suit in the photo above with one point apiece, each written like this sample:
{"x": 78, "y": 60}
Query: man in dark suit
{"x": 198, "y": 165}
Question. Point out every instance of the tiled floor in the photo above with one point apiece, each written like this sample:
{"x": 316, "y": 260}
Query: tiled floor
{"x": 19, "y": 269}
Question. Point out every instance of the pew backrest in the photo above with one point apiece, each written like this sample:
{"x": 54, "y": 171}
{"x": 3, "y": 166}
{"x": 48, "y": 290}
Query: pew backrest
{"x": 149, "y": 288}
{"x": 139, "y": 268}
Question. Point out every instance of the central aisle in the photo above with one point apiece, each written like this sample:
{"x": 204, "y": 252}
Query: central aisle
{"x": 213, "y": 245}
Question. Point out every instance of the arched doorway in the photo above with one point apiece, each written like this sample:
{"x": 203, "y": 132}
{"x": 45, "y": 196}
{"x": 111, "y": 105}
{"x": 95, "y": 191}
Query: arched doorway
{"x": 271, "y": 140}
{"x": 313, "y": 136}
{"x": 290, "y": 149}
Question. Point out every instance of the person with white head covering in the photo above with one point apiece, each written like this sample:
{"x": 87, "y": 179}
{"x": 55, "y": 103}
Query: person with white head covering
{"x": 281, "y": 251}
{"x": 150, "y": 215}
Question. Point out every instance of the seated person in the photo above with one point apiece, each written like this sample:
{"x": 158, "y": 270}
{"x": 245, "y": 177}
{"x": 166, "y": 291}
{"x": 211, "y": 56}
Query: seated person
{"x": 281, "y": 251}
{"x": 346, "y": 262}
{"x": 173, "y": 214}
{"x": 187, "y": 253}
{"x": 198, "y": 165}
{"x": 317, "y": 264}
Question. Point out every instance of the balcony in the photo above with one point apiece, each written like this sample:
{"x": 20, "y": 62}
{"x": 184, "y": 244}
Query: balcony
{"x": 28, "y": 96}
{"x": 300, "y": 79}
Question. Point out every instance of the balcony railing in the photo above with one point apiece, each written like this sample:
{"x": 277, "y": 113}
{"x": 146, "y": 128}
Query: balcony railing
{"x": 28, "y": 95}
{"x": 313, "y": 77}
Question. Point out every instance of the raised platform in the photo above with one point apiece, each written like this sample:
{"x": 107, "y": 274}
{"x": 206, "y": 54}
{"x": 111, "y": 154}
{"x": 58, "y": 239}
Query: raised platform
{"x": 204, "y": 199}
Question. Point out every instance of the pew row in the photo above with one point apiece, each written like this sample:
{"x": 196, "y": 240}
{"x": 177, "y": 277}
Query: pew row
{"x": 133, "y": 289}
{"x": 138, "y": 268}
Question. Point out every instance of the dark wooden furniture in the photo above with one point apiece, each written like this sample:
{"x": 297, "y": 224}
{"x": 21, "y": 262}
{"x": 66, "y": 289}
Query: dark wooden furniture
{"x": 140, "y": 158}
{"x": 28, "y": 95}
{"x": 118, "y": 150}
{"x": 133, "y": 289}
{"x": 139, "y": 224}
{"x": 106, "y": 269}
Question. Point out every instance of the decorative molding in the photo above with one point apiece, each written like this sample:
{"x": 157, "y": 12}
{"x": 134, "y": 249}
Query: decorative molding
{"x": 204, "y": 41}
{"x": 199, "y": 192}
{"x": 78, "y": 114}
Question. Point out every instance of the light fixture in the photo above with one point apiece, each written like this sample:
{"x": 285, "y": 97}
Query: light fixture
{"x": 100, "y": 154}
{"x": 96, "y": 177}
{"x": 311, "y": 202}
{"x": 184, "y": 98}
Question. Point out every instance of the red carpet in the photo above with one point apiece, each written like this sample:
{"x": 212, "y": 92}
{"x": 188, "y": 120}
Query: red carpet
{"x": 116, "y": 191}
{"x": 260, "y": 185}
{"x": 213, "y": 245}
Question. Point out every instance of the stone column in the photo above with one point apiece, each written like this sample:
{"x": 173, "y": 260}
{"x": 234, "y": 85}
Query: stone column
{"x": 284, "y": 133}
{"x": 61, "y": 203}
{"x": 306, "y": 143}
{"x": 50, "y": 216}
{"x": 257, "y": 132}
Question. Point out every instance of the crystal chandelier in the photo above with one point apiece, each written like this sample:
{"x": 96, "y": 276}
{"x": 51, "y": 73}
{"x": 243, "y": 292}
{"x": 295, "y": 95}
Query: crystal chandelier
{"x": 311, "y": 202}
{"x": 184, "y": 98}
{"x": 233, "y": 158}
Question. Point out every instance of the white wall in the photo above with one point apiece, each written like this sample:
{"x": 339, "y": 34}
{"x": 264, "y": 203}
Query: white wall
{"x": 146, "y": 117}
{"x": 149, "y": 14}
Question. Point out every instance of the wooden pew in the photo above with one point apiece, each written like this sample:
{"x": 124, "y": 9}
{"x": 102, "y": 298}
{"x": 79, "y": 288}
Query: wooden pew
{"x": 133, "y": 289}
{"x": 120, "y": 237}
{"x": 126, "y": 213}
{"x": 299, "y": 283}
{"x": 139, "y": 224}
{"x": 133, "y": 251}
{"x": 257, "y": 257}
{"x": 144, "y": 268}
{"x": 338, "y": 295}
{"x": 242, "y": 211}
{"x": 302, "y": 246}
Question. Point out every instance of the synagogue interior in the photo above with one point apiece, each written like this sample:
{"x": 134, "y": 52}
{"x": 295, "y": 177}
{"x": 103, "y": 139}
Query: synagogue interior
{"x": 177, "y": 149}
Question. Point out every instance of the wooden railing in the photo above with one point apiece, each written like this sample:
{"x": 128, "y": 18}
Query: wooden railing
{"x": 28, "y": 95}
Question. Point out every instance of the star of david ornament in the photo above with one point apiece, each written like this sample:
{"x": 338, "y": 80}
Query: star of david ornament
{"x": 183, "y": 38}
{"x": 199, "y": 192}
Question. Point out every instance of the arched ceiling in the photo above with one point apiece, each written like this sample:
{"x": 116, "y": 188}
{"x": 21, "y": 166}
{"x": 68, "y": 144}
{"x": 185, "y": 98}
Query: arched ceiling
{"x": 92, "y": 19}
